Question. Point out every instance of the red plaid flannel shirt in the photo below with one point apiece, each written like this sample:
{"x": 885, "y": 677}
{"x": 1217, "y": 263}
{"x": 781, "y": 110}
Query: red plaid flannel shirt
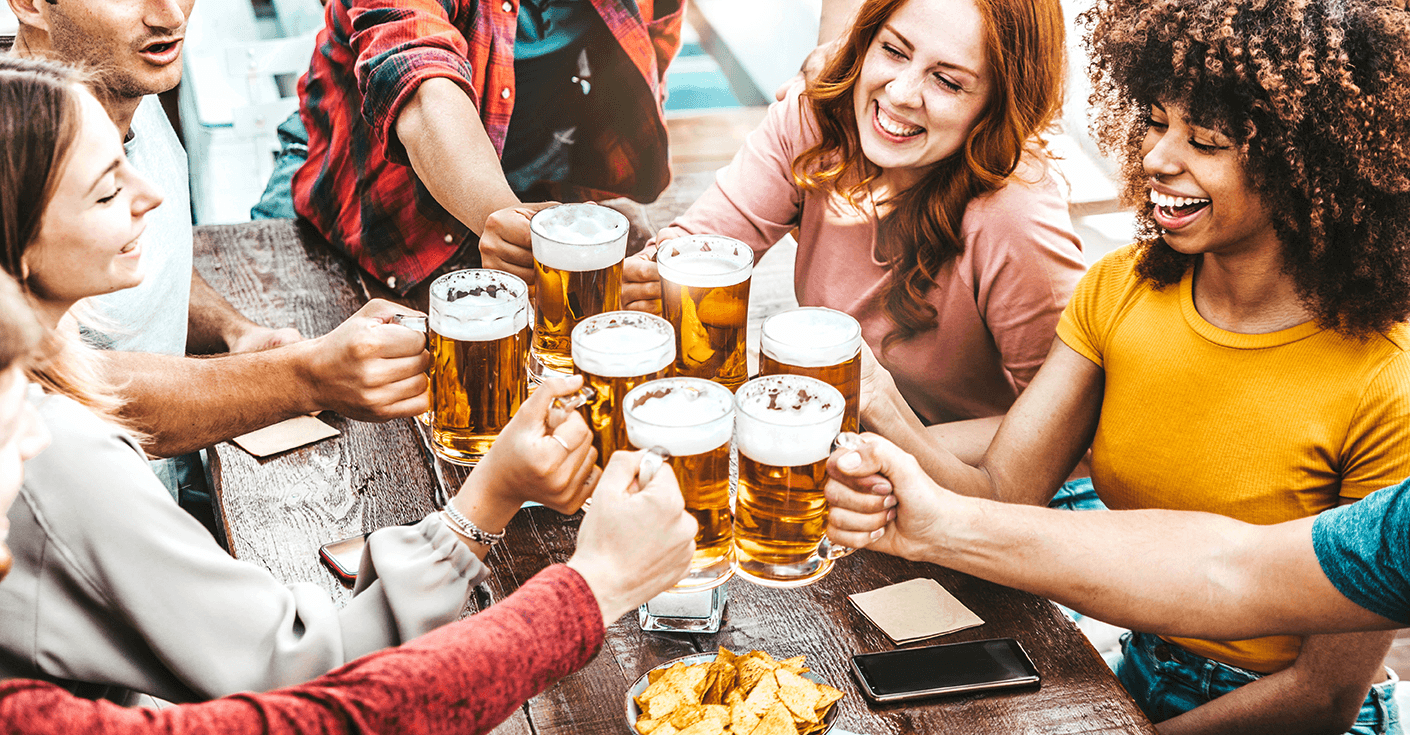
{"x": 358, "y": 188}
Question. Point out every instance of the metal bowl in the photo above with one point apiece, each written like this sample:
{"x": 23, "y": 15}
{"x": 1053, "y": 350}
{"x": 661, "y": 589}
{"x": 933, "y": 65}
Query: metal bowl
{"x": 633, "y": 711}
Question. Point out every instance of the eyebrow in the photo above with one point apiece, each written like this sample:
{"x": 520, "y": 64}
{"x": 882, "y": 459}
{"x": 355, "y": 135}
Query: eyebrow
{"x": 111, "y": 168}
{"x": 911, "y": 47}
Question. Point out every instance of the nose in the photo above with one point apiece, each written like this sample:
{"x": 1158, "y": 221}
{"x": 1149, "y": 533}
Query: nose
{"x": 1161, "y": 158}
{"x": 34, "y": 435}
{"x": 904, "y": 90}
{"x": 146, "y": 198}
{"x": 167, "y": 15}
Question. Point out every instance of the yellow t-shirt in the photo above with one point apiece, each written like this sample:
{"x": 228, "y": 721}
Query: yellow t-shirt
{"x": 1264, "y": 428}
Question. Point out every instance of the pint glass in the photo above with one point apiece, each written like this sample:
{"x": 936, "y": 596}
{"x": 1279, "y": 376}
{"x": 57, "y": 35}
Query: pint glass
{"x": 705, "y": 296}
{"x": 616, "y": 352}
{"x": 820, "y": 343}
{"x": 785, "y": 426}
{"x": 692, "y": 420}
{"x": 578, "y": 252}
{"x": 479, "y": 337}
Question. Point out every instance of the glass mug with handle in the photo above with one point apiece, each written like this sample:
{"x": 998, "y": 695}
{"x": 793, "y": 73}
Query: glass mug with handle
{"x": 578, "y": 252}
{"x": 820, "y": 343}
{"x": 616, "y": 352}
{"x": 688, "y": 422}
{"x": 478, "y": 335}
{"x": 785, "y": 428}
{"x": 705, "y": 296}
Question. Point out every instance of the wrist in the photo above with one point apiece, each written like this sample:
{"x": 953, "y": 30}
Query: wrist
{"x": 300, "y": 361}
{"x": 957, "y": 533}
{"x": 610, "y": 605}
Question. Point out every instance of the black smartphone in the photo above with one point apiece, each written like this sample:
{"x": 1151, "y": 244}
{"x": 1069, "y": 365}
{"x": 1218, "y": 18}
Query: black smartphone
{"x": 951, "y": 668}
{"x": 343, "y": 557}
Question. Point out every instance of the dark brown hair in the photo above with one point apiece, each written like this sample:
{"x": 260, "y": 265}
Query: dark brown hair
{"x": 1023, "y": 42}
{"x": 1315, "y": 94}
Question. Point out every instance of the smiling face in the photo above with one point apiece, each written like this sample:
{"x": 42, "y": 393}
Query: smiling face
{"x": 137, "y": 43}
{"x": 22, "y": 436}
{"x": 924, "y": 83}
{"x": 1202, "y": 197}
{"x": 87, "y": 242}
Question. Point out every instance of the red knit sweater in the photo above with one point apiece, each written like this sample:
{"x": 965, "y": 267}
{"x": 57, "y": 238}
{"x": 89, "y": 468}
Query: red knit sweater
{"x": 466, "y": 677}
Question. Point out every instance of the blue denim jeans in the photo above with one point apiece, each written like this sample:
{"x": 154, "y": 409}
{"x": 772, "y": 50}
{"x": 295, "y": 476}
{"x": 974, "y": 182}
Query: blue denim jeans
{"x": 277, "y": 202}
{"x": 1167, "y": 680}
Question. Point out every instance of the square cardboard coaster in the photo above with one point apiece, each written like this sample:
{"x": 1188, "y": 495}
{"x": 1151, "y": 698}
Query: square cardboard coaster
{"x": 285, "y": 435}
{"x": 914, "y": 610}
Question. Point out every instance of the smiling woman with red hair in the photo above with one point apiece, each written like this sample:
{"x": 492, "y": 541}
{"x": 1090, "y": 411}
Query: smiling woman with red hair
{"x": 914, "y": 171}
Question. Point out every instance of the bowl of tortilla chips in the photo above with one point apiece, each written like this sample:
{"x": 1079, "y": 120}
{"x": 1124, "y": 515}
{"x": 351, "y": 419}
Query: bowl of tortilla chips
{"x": 725, "y": 693}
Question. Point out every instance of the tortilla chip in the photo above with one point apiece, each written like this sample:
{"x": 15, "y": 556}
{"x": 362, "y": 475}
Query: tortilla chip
{"x": 798, "y": 695}
{"x": 751, "y": 670}
{"x": 725, "y": 655}
{"x": 741, "y": 720}
{"x": 797, "y": 664}
{"x": 763, "y": 696}
{"x": 724, "y": 678}
{"x": 665, "y": 703}
{"x": 776, "y": 721}
{"x": 704, "y": 727}
{"x": 645, "y": 725}
{"x": 826, "y": 696}
{"x": 734, "y": 696}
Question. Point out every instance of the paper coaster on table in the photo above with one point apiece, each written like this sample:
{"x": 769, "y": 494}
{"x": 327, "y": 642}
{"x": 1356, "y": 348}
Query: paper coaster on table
{"x": 914, "y": 610}
{"x": 285, "y": 435}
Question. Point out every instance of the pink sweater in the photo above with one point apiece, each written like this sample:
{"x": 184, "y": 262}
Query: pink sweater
{"x": 997, "y": 304}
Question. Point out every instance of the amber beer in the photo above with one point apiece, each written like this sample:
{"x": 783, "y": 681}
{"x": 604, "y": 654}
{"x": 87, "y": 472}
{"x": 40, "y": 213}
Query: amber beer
{"x": 616, "y": 352}
{"x": 479, "y": 337}
{"x": 578, "y": 253}
{"x": 820, "y": 343}
{"x": 705, "y": 296}
{"x": 693, "y": 420}
{"x": 784, "y": 428}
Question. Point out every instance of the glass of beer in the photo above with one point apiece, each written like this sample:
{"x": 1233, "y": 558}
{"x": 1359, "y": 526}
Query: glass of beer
{"x": 616, "y": 352}
{"x": 479, "y": 338}
{"x": 785, "y": 426}
{"x": 705, "y": 296}
{"x": 692, "y": 420}
{"x": 578, "y": 253}
{"x": 820, "y": 343}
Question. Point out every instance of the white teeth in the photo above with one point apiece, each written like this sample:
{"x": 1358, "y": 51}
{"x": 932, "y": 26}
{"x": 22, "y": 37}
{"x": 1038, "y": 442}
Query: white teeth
{"x": 1169, "y": 202}
{"x": 895, "y": 127}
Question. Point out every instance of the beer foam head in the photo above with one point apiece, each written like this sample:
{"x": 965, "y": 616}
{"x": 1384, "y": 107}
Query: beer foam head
{"x": 704, "y": 261}
{"x": 787, "y": 420}
{"x": 479, "y": 305}
{"x": 623, "y": 344}
{"x": 579, "y": 237}
{"x": 811, "y": 337}
{"x": 684, "y": 416}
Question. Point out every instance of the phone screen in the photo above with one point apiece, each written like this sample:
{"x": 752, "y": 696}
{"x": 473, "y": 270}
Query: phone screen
{"x": 343, "y": 557}
{"x": 954, "y": 666}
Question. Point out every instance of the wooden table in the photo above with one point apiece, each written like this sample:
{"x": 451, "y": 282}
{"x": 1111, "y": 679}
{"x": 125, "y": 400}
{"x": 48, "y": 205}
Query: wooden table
{"x": 278, "y": 511}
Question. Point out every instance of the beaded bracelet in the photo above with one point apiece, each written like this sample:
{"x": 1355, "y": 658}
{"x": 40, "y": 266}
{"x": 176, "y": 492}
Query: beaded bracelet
{"x": 467, "y": 528}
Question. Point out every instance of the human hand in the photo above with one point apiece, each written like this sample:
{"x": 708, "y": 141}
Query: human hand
{"x": 878, "y": 398}
{"x": 813, "y": 65}
{"x": 641, "y": 283}
{"x": 879, "y": 498}
{"x": 257, "y": 339}
{"x": 506, "y": 244}
{"x": 635, "y": 543}
{"x": 544, "y": 454}
{"x": 366, "y": 369}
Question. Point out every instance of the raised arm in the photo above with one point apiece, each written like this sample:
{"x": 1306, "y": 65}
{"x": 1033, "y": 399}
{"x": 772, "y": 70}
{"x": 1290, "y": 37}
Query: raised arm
{"x": 1166, "y": 572}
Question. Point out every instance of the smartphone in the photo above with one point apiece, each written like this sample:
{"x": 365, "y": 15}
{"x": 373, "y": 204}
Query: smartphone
{"x": 343, "y": 557}
{"x": 951, "y": 668}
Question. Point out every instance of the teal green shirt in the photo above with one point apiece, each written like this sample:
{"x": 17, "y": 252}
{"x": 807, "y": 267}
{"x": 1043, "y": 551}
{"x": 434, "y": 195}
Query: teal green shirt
{"x": 1364, "y": 549}
{"x": 546, "y": 26}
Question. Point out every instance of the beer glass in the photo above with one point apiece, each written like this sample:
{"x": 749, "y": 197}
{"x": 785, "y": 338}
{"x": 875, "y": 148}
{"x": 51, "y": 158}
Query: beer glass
{"x": 616, "y": 352}
{"x": 692, "y": 420}
{"x": 478, "y": 337}
{"x": 578, "y": 253}
{"x": 705, "y": 296}
{"x": 820, "y": 343}
{"x": 785, "y": 426}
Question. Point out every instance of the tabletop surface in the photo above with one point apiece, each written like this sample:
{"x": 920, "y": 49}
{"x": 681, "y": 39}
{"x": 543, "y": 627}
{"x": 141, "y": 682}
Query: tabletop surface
{"x": 279, "y": 510}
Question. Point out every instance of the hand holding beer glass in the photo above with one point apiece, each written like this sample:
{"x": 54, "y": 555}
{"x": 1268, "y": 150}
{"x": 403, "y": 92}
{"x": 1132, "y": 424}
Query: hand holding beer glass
{"x": 705, "y": 296}
{"x": 820, "y": 343}
{"x": 616, "y": 352}
{"x": 578, "y": 253}
{"x": 785, "y": 427}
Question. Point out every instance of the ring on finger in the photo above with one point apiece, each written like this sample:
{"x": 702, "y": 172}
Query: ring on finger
{"x": 560, "y": 441}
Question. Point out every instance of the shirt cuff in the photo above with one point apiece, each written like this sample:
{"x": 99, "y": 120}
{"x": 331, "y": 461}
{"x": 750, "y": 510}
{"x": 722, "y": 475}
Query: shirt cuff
{"x": 390, "y": 85}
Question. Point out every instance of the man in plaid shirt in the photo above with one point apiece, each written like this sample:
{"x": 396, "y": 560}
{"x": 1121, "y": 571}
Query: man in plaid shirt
{"x": 426, "y": 118}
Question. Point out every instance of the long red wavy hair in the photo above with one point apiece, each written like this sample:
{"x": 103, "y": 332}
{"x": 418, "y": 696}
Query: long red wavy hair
{"x": 1024, "y": 46}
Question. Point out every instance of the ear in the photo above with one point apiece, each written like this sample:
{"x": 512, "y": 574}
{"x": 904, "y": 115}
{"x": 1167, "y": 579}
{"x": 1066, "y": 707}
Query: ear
{"x": 32, "y": 13}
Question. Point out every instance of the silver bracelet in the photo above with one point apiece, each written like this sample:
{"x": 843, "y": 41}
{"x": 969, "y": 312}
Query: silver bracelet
{"x": 467, "y": 528}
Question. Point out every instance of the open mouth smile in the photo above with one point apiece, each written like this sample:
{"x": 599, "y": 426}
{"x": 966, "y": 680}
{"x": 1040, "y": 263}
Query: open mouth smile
{"x": 1172, "y": 212}
{"x": 892, "y": 128}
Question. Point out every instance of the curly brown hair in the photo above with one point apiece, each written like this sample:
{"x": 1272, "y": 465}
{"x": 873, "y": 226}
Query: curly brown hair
{"x": 1314, "y": 93}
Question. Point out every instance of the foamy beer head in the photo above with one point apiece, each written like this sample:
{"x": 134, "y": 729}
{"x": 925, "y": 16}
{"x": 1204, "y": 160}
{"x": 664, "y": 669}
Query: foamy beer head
{"x": 787, "y": 420}
{"x": 579, "y": 237}
{"x": 811, "y": 337}
{"x": 705, "y": 261}
{"x": 478, "y": 305}
{"x": 623, "y": 344}
{"x": 684, "y": 416}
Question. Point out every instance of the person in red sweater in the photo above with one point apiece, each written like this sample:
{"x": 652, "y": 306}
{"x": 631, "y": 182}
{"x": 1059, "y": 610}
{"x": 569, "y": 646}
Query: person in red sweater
{"x": 465, "y": 677}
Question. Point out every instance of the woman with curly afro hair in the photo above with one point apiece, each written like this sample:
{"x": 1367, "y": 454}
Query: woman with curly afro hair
{"x": 1247, "y": 356}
